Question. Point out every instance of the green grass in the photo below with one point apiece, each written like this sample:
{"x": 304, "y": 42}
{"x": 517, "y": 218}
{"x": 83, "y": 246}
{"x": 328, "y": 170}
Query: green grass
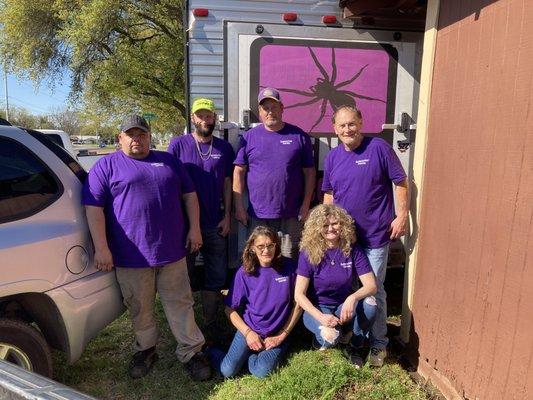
{"x": 306, "y": 374}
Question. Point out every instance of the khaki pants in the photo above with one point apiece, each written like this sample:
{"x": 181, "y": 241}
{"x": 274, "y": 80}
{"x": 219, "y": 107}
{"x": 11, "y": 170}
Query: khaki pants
{"x": 171, "y": 281}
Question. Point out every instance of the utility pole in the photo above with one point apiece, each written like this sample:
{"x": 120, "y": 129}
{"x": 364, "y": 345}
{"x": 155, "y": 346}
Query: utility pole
{"x": 5, "y": 90}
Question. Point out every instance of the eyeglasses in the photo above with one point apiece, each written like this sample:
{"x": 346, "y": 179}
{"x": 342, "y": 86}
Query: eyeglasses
{"x": 334, "y": 225}
{"x": 263, "y": 247}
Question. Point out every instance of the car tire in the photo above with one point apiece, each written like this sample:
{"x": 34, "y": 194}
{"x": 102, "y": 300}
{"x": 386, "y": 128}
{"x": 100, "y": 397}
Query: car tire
{"x": 25, "y": 346}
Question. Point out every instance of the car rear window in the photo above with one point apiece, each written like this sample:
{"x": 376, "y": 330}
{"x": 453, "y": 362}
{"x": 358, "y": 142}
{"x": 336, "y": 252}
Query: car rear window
{"x": 26, "y": 184}
{"x": 55, "y": 138}
{"x": 60, "y": 152}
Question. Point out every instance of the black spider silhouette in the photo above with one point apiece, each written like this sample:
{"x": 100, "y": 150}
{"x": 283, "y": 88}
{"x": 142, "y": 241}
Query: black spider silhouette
{"x": 327, "y": 90}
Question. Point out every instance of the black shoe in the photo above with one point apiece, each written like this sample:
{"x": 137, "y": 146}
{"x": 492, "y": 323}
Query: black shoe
{"x": 198, "y": 367}
{"x": 355, "y": 355}
{"x": 142, "y": 362}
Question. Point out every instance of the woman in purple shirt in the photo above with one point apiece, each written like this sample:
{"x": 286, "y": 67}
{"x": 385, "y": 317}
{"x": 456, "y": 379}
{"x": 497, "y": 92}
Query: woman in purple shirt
{"x": 328, "y": 269}
{"x": 263, "y": 289}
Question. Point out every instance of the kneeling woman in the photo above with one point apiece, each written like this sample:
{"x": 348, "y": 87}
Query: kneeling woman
{"x": 263, "y": 288}
{"x": 328, "y": 267}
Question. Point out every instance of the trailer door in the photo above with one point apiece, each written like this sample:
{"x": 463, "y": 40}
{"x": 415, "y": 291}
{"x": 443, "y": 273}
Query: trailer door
{"x": 318, "y": 69}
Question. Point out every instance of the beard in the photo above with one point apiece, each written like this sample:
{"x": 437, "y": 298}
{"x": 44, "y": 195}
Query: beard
{"x": 204, "y": 132}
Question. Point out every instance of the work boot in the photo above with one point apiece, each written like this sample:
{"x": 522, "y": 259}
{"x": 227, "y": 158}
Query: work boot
{"x": 376, "y": 358}
{"x": 198, "y": 367}
{"x": 142, "y": 362}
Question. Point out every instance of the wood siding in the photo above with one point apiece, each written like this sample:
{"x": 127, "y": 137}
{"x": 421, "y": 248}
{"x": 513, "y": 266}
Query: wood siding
{"x": 473, "y": 293}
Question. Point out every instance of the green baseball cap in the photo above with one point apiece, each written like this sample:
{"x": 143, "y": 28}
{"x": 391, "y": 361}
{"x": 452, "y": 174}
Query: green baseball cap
{"x": 203, "y": 104}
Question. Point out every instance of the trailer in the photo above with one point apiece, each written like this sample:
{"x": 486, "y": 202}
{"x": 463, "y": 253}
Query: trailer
{"x": 318, "y": 60}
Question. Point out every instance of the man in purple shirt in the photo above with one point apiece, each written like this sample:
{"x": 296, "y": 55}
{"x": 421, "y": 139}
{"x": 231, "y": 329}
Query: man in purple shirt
{"x": 358, "y": 176}
{"x": 133, "y": 203}
{"x": 209, "y": 162}
{"x": 275, "y": 161}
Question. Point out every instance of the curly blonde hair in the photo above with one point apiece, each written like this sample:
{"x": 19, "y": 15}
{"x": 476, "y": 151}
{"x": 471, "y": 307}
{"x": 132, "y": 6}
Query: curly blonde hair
{"x": 314, "y": 244}
{"x": 250, "y": 262}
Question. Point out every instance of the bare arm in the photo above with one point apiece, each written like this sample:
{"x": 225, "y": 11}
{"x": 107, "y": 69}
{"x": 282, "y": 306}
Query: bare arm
{"x": 252, "y": 338}
{"x": 368, "y": 288}
{"x": 275, "y": 341}
{"x": 194, "y": 236}
{"x": 300, "y": 296}
{"x": 224, "y": 225}
{"x": 398, "y": 226}
{"x": 328, "y": 198}
{"x": 309, "y": 187}
{"x": 102, "y": 255}
{"x": 239, "y": 184}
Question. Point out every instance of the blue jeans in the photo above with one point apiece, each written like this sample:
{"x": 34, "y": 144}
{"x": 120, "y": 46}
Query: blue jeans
{"x": 378, "y": 260}
{"x": 214, "y": 251}
{"x": 260, "y": 364}
{"x": 365, "y": 313}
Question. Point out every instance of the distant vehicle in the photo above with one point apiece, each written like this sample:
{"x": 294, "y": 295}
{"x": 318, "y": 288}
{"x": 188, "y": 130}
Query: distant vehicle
{"x": 51, "y": 294}
{"x": 61, "y": 138}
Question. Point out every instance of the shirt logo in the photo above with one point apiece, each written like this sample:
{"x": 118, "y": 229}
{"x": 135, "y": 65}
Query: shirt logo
{"x": 157, "y": 164}
{"x": 286, "y": 141}
{"x": 362, "y": 162}
{"x": 216, "y": 156}
{"x": 281, "y": 279}
{"x": 346, "y": 265}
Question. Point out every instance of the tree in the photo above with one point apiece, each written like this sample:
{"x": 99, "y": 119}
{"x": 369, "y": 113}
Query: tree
{"x": 66, "y": 120}
{"x": 121, "y": 53}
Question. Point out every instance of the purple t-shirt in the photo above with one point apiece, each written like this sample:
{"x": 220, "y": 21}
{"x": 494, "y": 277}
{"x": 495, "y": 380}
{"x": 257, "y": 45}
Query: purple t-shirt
{"x": 333, "y": 279}
{"x": 361, "y": 184}
{"x": 142, "y": 206}
{"x": 267, "y": 297}
{"x": 208, "y": 175}
{"x": 275, "y": 178}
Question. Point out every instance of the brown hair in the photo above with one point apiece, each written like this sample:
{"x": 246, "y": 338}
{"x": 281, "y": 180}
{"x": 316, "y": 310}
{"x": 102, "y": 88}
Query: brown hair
{"x": 353, "y": 109}
{"x": 250, "y": 262}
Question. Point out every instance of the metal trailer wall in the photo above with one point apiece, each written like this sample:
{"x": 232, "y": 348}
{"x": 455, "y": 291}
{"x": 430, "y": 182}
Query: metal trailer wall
{"x": 206, "y": 42}
{"x": 473, "y": 295}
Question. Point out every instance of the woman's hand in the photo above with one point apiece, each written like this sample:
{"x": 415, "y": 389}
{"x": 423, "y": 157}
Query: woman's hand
{"x": 348, "y": 309}
{"x": 253, "y": 340}
{"x": 275, "y": 341}
{"x": 329, "y": 320}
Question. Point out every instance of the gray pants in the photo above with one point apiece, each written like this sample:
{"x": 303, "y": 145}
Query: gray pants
{"x": 289, "y": 231}
{"x": 171, "y": 281}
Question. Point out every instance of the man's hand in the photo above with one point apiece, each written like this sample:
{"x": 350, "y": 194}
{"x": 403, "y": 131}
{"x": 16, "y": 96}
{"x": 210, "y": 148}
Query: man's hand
{"x": 398, "y": 227}
{"x": 241, "y": 215}
{"x": 254, "y": 342}
{"x": 329, "y": 320}
{"x": 348, "y": 309}
{"x": 103, "y": 260}
{"x": 224, "y": 225}
{"x": 194, "y": 240}
{"x": 274, "y": 341}
{"x": 304, "y": 212}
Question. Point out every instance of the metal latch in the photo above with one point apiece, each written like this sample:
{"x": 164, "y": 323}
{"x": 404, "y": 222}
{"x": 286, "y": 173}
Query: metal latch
{"x": 404, "y": 126}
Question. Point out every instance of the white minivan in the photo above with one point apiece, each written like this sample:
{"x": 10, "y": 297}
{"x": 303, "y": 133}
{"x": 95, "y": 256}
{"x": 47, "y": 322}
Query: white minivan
{"x": 61, "y": 138}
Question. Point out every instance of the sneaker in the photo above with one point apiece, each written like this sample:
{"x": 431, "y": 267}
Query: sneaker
{"x": 142, "y": 362}
{"x": 354, "y": 355}
{"x": 198, "y": 367}
{"x": 376, "y": 357}
{"x": 316, "y": 346}
{"x": 345, "y": 337}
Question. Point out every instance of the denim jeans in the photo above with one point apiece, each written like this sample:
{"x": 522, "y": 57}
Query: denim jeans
{"x": 378, "y": 260}
{"x": 365, "y": 312}
{"x": 214, "y": 251}
{"x": 260, "y": 364}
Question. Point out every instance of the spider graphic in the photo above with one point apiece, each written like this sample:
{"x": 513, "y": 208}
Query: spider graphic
{"x": 327, "y": 91}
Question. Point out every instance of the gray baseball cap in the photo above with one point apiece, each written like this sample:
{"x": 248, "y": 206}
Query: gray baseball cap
{"x": 268, "y": 93}
{"x": 134, "y": 121}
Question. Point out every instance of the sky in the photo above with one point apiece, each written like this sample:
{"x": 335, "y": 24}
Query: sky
{"x": 37, "y": 100}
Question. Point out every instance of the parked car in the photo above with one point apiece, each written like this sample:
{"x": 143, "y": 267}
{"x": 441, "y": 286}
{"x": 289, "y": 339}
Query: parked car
{"x": 51, "y": 295}
{"x": 61, "y": 138}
